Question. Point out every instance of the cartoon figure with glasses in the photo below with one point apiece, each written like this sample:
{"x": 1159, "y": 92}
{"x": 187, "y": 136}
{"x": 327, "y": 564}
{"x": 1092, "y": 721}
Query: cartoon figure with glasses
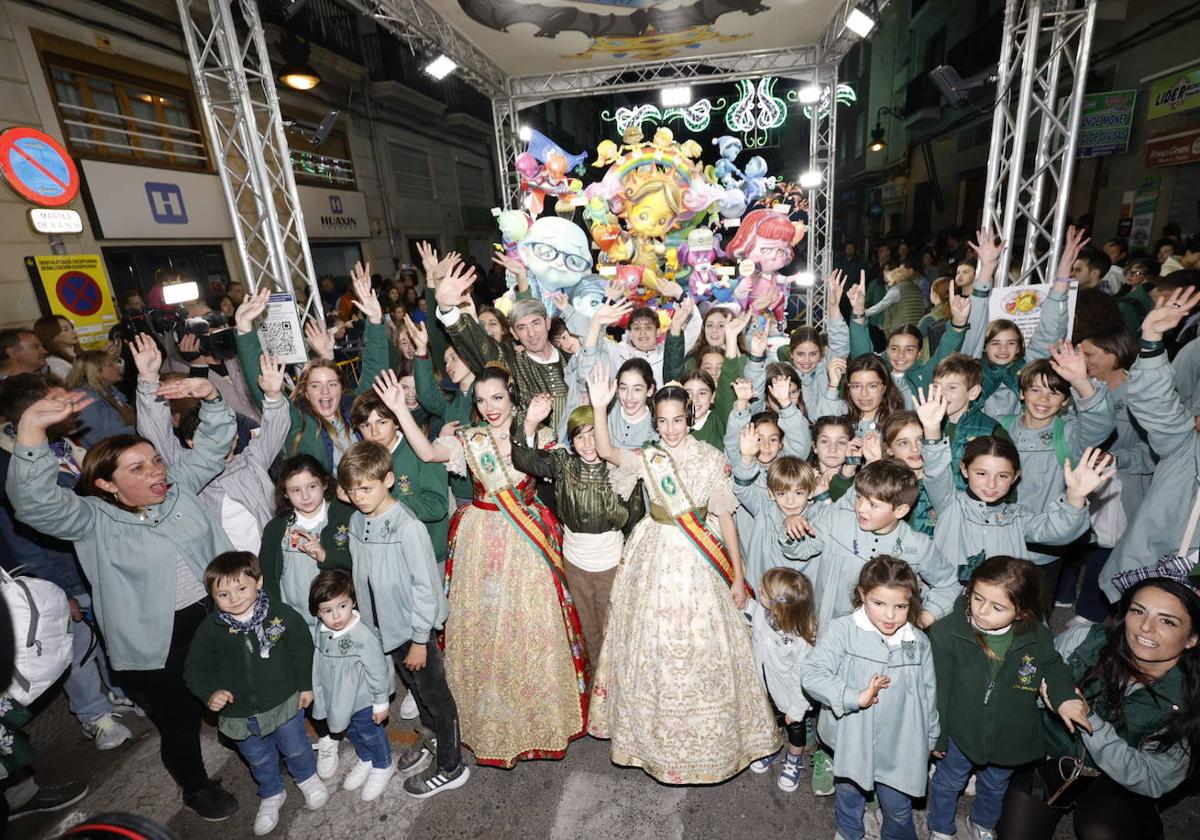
{"x": 556, "y": 257}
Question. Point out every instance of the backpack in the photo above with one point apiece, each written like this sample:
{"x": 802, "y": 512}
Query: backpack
{"x": 41, "y": 623}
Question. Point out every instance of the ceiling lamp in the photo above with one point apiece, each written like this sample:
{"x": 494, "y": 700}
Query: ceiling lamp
{"x": 296, "y": 72}
{"x": 676, "y": 97}
{"x": 860, "y": 21}
{"x": 441, "y": 66}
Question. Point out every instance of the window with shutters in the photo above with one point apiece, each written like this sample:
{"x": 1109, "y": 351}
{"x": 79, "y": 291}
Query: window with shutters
{"x": 412, "y": 172}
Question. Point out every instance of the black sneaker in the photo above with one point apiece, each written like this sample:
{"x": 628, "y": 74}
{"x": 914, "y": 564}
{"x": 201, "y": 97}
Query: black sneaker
{"x": 50, "y": 798}
{"x": 414, "y": 755}
{"x": 212, "y": 802}
{"x": 433, "y": 781}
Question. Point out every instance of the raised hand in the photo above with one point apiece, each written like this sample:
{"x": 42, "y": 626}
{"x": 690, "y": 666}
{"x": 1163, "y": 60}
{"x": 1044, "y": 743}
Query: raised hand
{"x": 743, "y": 391}
{"x": 960, "y": 307}
{"x": 53, "y": 408}
{"x": 931, "y": 409}
{"x": 734, "y": 326}
{"x": 1075, "y": 239}
{"x": 387, "y": 386}
{"x": 189, "y": 344}
{"x": 540, "y": 407}
{"x": 319, "y": 339}
{"x": 365, "y": 299}
{"x": 680, "y": 316}
{"x": 857, "y": 295}
{"x": 1168, "y": 312}
{"x": 869, "y": 696}
{"x": 836, "y": 367}
{"x": 252, "y": 306}
{"x": 146, "y": 357}
{"x": 514, "y": 267}
{"x": 748, "y": 443}
{"x": 452, "y": 290}
{"x": 429, "y": 258}
{"x": 1095, "y": 468}
{"x": 1069, "y": 363}
{"x": 780, "y": 387}
{"x": 560, "y": 300}
{"x": 837, "y": 287}
{"x": 986, "y": 247}
{"x": 270, "y": 380}
{"x": 610, "y": 313}
{"x": 872, "y": 448}
{"x": 418, "y": 335}
{"x": 758, "y": 343}
{"x": 669, "y": 288}
{"x": 601, "y": 387}
{"x": 178, "y": 389}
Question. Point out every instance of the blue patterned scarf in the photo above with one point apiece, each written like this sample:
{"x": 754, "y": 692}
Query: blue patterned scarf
{"x": 267, "y": 635}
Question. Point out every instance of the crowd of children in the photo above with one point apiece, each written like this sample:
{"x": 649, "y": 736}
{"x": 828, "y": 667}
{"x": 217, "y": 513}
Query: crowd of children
{"x": 785, "y": 556}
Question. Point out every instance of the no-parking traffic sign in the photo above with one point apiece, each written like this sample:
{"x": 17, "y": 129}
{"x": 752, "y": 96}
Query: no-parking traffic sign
{"x": 76, "y": 287}
{"x": 37, "y": 168}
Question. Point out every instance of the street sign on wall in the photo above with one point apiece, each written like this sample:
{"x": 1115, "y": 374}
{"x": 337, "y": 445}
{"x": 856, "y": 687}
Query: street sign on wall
{"x": 36, "y": 167}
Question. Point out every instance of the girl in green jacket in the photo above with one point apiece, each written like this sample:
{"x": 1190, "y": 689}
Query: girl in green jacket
{"x": 991, "y": 654}
{"x": 320, "y": 409}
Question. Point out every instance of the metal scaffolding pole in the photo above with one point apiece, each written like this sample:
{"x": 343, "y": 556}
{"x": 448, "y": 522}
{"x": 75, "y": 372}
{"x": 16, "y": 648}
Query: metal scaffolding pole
{"x": 235, "y": 86}
{"x": 1041, "y": 78}
{"x": 505, "y": 119}
{"x": 821, "y": 142}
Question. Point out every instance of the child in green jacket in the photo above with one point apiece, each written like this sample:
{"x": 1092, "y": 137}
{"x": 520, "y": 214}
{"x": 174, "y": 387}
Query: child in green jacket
{"x": 251, "y": 663}
{"x": 991, "y": 655}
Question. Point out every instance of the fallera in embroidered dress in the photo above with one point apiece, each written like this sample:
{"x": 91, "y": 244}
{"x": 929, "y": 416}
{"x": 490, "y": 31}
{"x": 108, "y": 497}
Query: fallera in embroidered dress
{"x": 515, "y": 660}
{"x": 675, "y": 688}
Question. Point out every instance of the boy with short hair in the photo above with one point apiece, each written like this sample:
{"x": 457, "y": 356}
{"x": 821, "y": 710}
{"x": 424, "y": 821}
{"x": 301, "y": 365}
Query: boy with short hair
{"x": 790, "y": 482}
{"x": 251, "y": 662}
{"x": 419, "y": 485}
{"x": 866, "y": 522}
{"x": 959, "y": 377}
{"x": 402, "y": 599}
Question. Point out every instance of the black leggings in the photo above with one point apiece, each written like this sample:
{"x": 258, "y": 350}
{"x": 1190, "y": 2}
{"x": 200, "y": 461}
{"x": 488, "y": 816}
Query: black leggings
{"x": 174, "y": 711}
{"x": 1103, "y": 810}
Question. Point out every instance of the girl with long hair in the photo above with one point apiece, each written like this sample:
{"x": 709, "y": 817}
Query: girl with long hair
{"x": 96, "y": 373}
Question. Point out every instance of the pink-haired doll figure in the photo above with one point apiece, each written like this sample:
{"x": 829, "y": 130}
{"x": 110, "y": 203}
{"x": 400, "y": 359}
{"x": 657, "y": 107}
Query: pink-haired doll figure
{"x": 706, "y": 285}
{"x": 766, "y": 239}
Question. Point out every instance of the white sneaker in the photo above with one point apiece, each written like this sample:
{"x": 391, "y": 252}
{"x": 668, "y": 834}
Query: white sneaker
{"x": 357, "y": 775}
{"x": 107, "y": 732}
{"x": 937, "y": 835}
{"x": 268, "y": 813}
{"x": 327, "y": 757}
{"x": 1080, "y": 621}
{"x": 377, "y": 780}
{"x": 977, "y": 833}
{"x": 125, "y": 704}
{"x": 969, "y": 790}
{"x": 315, "y": 792}
{"x": 408, "y": 708}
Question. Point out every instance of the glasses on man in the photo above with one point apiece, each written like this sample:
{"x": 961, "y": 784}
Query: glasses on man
{"x": 546, "y": 251}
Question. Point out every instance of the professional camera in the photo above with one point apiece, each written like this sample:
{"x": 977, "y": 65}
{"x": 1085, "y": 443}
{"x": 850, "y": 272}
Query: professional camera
{"x": 212, "y": 329}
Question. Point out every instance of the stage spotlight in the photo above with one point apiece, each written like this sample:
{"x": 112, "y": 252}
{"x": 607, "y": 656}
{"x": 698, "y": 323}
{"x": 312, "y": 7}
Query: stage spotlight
{"x": 676, "y": 97}
{"x": 805, "y": 279}
{"x": 296, "y": 72}
{"x": 811, "y": 179}
{"x": 441, "y": 66}
{"x": 860, "y": 22}
{"x": 525, "y": 133}
{"x": 809, "y": 94}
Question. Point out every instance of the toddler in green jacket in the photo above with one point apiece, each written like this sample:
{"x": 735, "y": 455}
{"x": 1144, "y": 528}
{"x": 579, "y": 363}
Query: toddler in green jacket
{"x": 251, "y": 663}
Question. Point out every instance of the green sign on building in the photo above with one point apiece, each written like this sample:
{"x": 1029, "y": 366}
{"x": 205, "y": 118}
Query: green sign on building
{"x": 1105, "y": 123}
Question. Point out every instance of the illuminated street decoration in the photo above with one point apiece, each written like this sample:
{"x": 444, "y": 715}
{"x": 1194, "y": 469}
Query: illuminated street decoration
{"x": 845, "y": 95}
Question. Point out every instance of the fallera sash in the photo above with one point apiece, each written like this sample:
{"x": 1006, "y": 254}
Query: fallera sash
{"x": 673, "y": 497}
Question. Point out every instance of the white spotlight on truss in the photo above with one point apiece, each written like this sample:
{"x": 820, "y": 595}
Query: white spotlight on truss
{"x": 805, "y": 279}
{"x": 525, "y": 133}
{"x": 809, "y": 94}
{"x": 441, "y": 67}
{"x": 859, "y": 22}
{"x": 676, "y": 97}
{"x": 811, "y": 179}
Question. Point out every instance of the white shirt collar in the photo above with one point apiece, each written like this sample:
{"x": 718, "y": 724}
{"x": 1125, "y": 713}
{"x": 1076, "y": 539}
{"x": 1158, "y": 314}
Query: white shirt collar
{"x": 904, "y": 634}
{"x": 337, "y": 634}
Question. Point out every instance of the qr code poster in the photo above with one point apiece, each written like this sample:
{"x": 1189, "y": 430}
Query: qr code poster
{"x": 280, "y": 333}
{"x": 1023, "y": 306}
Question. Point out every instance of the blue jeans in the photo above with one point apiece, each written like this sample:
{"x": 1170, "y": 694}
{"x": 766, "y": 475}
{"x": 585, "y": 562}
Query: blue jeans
{"x": 262, "y": 754}
{"x": 369, "y": 739}
{"x": 949, "y": 780}
{"x": 86, "y": 680}
{"x": 849, "y": 802}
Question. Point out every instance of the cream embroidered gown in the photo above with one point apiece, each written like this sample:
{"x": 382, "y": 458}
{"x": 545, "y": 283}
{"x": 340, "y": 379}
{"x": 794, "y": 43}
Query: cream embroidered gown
{"x": 676, "y": 689}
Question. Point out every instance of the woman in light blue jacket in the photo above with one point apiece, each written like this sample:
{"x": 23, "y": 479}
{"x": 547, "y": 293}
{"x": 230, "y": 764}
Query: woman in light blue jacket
{"x": 143, "y": 538}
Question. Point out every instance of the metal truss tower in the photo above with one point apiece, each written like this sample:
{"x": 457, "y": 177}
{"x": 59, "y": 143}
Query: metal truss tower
{"x": 235, "y": 86}
{"x": 1039, "y": 94}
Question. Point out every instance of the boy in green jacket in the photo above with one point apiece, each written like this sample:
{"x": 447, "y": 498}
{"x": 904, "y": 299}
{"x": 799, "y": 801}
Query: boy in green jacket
{"x": 251, "y": 663}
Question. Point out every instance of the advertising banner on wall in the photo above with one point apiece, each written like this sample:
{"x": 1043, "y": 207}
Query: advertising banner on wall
{"x": 1175, "y": 93}
{"x": 1144, "y": 202}
{"x": 1174, "y": 149}
{"x": 1105, "y": 123}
